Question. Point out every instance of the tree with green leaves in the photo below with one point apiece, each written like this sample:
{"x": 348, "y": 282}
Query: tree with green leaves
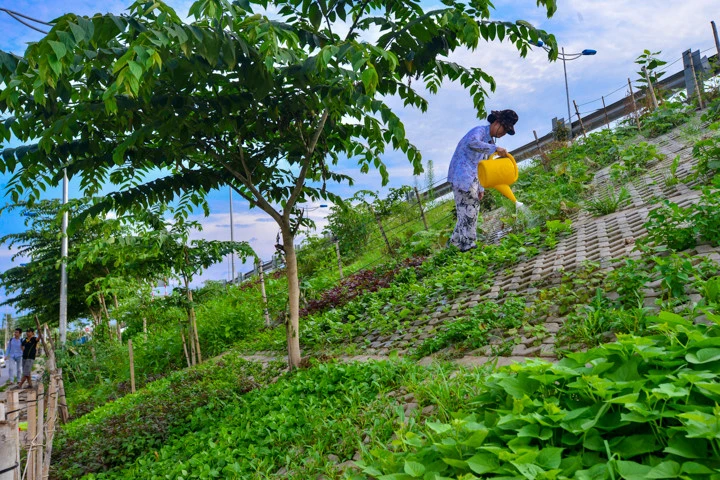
{"x": 34, "y": 285}
{"x": 266, "y": 105}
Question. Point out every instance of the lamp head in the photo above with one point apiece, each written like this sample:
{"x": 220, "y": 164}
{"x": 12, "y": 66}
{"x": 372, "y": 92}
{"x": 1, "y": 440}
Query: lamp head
{"x": 589, "y": 51}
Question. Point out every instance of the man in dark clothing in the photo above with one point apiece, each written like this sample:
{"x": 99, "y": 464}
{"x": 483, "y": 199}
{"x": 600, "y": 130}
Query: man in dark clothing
{"x": 29, "y": 349}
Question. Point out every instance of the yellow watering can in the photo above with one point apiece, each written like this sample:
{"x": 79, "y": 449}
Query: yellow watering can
{"x": 499, "y": 173}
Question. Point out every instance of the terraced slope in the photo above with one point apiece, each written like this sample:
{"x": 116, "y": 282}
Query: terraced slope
{"x": 595, "y": 241}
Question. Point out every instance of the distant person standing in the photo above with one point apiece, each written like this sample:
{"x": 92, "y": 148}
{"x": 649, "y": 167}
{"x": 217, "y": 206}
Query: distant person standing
{"x": 29, "y": 349}
{"x": 477, "y": 145}
{"x": 13, "y": 351}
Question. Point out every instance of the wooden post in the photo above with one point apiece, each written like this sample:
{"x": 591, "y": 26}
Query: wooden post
{"x": 49, "y": 350}
{"x": 607, "y": 120}
{"x": 382, "y": 230}
{"x": 38, "y": 460}
{"x": 132, "y": 366}
{"x": 62, "y": 401}
{"x": 50, "y": 425}
{"x": 715, "y": 34}
{"x": 632, "y": 96}
{"x": 543, "y": 156}
{"x": 422, "y": 212}
{"x": 12, "y": 415}
{"x": 193, "y": 320}
{"x": 337, "y": 254}
{"x": 261, "y": 273}
{"x": 185, "y": 349}
{"x": 697, "y": 84}
{"x": 577, "y": 111}
{"x": 31, "y": 432}
{"x": 650, "y": 88}
{"x": 9, "y": 449}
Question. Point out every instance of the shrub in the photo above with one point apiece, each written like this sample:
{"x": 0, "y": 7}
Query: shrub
{"x": 607, "y": 203}
{"x": 666, "y": 117}
{"x": 639, "y": 408}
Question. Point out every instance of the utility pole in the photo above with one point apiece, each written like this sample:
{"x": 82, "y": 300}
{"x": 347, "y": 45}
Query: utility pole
{"x": 232, "y": 239}
{"x": 63, "y": 264}
{"x": 567, "y": 95}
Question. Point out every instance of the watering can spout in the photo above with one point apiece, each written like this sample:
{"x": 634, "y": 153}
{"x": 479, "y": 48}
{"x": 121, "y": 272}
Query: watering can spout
{"x": 506, "y": 192}
{"x": 499, "y": 173}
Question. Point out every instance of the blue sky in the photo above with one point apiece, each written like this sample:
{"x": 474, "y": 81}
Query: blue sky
{"x": 618, "y": 29}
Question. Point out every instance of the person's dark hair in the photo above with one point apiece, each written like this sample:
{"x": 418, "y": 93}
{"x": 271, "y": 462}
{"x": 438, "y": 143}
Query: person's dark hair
{"x": 19, "y": 330}
{"x": 30, "y": 330}
{"x": 506, "y": 118}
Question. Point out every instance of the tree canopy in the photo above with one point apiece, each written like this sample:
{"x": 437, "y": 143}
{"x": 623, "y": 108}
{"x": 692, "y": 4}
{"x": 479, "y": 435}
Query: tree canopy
{"x": 266, "y": 104}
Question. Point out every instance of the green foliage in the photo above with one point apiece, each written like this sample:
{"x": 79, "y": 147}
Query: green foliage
{"x": 648, "y": 62}
{"x": 288, "y": 428}
{"x": 607, "y": 203}
{"x": 670, "y": 225}
{"x": 352, "y": 226}
{"x": 644, "y": 407}
{"x": 706, "y": 214}
{"x": 667, "y": 116}
{"x": 707, "y": 151}
{"x": 475, "y": 329}
{"x": 136, "y": 424}
{"x": 628, "y": 281}
{"x": 675, "y": 272}
{"x": 634, "y": 160}
{"x": 678, "y": 228}
{"x": 712, "y": 113}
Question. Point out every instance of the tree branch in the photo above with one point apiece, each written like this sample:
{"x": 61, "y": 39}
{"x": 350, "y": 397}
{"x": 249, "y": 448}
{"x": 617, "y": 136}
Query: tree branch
{"x": 300, "y": 182}
{"x": 357, "y": 19}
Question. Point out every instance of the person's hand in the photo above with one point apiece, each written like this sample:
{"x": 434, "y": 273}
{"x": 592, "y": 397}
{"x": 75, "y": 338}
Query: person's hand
{"x": 501, "y": 152}
{"x": 481, "y": 194}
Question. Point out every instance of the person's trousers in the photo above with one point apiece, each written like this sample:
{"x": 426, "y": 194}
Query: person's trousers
{"x": 15, "y": 368}
{"x": 467, "y": 206}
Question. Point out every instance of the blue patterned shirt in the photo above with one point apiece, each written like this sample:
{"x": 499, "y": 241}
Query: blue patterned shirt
{"x": 476, "y": 145}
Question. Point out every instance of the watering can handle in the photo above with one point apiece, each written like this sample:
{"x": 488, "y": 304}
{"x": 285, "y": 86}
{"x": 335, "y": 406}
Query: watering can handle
{"x": 509, "y": 155}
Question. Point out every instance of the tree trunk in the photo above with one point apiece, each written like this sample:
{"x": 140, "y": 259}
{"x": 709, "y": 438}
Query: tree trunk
{"x": 193, "y": 323}
{"x": 293, "y": 323}
{"x": 192, "y": 328}
{"x": 117, "y": 322}
{"x": 184, "y": 343}
{"x": 107, "y": 313}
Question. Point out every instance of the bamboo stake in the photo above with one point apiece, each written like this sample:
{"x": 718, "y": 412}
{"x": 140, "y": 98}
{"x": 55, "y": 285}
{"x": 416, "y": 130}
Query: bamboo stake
{"x": 9, "y": 449}
{"x": 422, "y": 212}
{"x": 261, "y": 273}
{"x": 715, "y": 35}
{"x": 382, "y": 230}
{"x": 697, "y": 83}
{"x": 38, "y": 460}
{"x": 13, "y": 415}
{"x": 607, "y": 120}
{"x": 577, "y": 111}
{"x": 339, "y": 259}
{"x": 184, "y": 343}
{"x": 543, "y": 156}
{"x": 62, "y": 401}
{"x": 651, "y": 88}
{"x": 132, "y": 366}
{"x": 31, "y": 432}
{"x": 632, "y": 96}
{"x": 50, "y": 426}
{"x": 49, "y": 349}
{"x": 145, "y": 328}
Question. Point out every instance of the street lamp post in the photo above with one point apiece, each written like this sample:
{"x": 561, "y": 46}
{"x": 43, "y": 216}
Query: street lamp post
{"x": 566, "y": 57}
{"x": 232, "y": 239}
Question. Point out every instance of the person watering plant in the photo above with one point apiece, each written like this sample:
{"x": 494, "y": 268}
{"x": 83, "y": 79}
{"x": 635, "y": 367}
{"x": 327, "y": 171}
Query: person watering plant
{"x": 477, "y": 145}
